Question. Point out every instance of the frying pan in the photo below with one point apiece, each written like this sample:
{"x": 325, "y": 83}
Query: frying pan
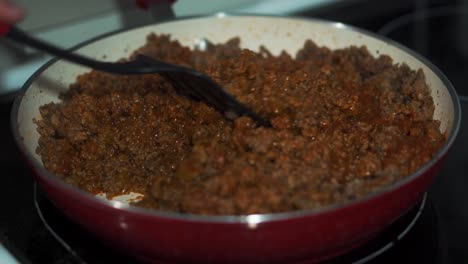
{"x": 305, "y": 236}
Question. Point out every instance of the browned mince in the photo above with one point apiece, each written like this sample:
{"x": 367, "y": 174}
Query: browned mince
{"x": 345, "y": 124}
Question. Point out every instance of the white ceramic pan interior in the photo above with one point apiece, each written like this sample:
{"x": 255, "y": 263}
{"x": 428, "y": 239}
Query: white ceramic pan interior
{"x": 275, "y": 33}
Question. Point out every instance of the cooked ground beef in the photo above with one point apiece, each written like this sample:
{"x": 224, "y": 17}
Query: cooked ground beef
{"x": 345, "y": 124}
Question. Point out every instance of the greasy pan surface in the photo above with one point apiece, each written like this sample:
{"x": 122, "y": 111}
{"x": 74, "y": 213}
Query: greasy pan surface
{"x": 314, "y": 234}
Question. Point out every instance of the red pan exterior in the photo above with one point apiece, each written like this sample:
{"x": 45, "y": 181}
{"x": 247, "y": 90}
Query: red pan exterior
{"x": 304, "y": 239}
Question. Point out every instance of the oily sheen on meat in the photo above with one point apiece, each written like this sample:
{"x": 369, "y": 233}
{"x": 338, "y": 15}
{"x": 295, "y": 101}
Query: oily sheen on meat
{"x": 345, "y": 124}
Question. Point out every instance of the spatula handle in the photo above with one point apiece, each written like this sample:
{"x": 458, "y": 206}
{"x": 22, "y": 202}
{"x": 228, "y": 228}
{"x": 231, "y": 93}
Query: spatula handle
{"x": 145, "y": 4}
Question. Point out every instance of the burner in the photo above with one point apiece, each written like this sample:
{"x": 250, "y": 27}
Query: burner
{"x": 439, "y": 34}
{"x": 411, "y": 238}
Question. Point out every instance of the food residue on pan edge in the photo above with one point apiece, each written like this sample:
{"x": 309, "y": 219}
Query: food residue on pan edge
{"x": 345, "y": 124}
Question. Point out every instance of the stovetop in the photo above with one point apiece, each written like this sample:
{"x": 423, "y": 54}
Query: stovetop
{"x": 435, "y": 231}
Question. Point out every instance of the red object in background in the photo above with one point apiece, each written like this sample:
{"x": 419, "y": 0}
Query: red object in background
{"x": 145, "y": 4}
{"x": 4, "y": 28}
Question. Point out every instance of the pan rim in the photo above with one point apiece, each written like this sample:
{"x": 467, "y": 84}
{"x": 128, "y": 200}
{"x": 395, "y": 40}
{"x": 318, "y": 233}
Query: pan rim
{"x": 240, "y": 219}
